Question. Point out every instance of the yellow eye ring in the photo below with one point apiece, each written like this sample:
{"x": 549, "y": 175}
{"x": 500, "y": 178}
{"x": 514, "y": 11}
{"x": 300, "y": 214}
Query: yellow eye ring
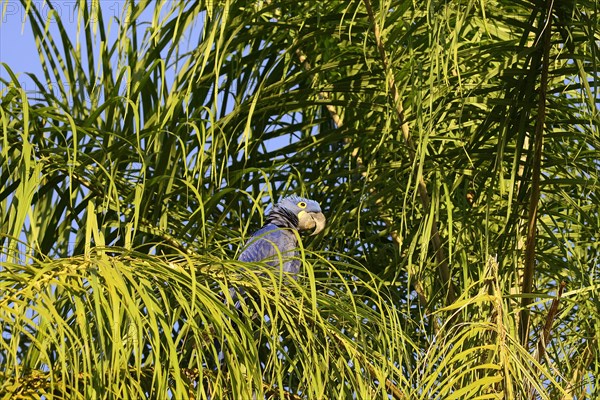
{"x": 302, "y": 204}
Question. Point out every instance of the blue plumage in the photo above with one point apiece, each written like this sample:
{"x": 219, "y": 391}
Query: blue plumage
{"x": 276, "y": 240}
{"x": 276, "y": 243}
{"x": 270, "y": 243}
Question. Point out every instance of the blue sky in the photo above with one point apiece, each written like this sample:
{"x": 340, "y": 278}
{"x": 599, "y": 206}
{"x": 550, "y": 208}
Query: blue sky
{"x": 17, "y": 44}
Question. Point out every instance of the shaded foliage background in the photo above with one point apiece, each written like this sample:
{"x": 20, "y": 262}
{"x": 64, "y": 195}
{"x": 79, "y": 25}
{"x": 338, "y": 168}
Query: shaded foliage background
{"x": 453, "y": 145}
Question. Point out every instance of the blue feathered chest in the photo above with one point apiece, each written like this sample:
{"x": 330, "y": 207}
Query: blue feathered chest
{"x": 272, "y": 245}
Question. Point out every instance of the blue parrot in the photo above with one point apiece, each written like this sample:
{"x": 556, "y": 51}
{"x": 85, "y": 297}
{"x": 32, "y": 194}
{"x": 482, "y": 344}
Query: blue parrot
{"x": 277, "y": 237}
{"x": 278, "y": 240}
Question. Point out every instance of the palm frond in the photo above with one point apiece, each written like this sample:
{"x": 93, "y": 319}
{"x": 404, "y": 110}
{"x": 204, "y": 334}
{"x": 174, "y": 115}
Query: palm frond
{"x": 158, "y": 135}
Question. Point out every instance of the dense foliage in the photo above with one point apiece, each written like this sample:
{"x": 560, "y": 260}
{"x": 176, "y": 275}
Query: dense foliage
{"x": 454, "y": 146}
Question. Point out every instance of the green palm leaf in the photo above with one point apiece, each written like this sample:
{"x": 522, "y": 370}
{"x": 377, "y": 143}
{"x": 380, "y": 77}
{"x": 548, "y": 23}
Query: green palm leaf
{"x": 158, "y": 134}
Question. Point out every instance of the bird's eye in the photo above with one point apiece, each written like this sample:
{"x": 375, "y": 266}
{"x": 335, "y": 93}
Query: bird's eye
{"x": 302, "y": 204}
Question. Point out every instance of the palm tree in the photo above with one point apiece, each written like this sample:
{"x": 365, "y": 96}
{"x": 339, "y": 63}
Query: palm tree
{"x": 453, "y": 145}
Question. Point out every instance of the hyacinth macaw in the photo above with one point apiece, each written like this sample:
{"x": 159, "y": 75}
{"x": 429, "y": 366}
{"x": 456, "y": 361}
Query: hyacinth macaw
{"x": 277, "y": 237}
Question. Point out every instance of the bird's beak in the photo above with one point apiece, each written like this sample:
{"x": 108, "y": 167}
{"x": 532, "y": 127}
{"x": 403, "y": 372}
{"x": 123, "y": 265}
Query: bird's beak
{"x": 311, "y": 220}
{"x": 319, "y": 220}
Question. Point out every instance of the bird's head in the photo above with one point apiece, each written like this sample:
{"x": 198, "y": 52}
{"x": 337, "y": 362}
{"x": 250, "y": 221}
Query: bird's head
{"x": 307, "y": 213}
